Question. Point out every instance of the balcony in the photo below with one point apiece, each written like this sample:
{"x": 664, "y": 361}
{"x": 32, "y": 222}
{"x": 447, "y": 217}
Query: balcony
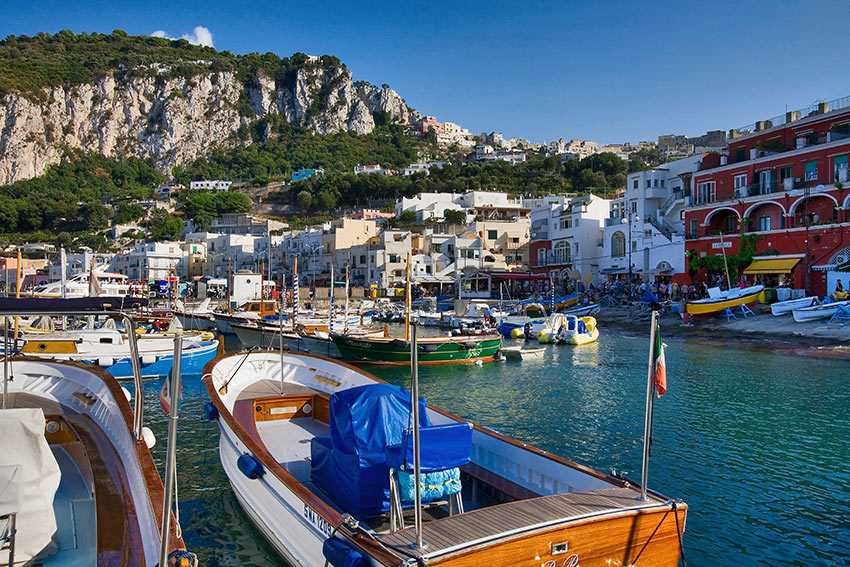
{"x": 616, "y": 221}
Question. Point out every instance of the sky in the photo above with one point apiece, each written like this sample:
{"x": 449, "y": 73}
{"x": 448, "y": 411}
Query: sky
{"x": 605, "y": 71}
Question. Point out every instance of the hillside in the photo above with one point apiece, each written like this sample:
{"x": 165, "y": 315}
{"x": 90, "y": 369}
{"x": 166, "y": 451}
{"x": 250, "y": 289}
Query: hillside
{"x": 166, "y": 101}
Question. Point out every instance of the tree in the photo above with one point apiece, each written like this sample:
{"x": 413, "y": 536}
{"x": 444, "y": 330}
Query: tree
{"x": 454, "y": 217}
{"x": 304, "y": 199}
{"x": 407, "y": 217}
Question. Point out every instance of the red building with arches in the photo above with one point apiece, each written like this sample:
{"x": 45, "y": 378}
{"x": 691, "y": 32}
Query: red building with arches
{"x": 784, "y": 180}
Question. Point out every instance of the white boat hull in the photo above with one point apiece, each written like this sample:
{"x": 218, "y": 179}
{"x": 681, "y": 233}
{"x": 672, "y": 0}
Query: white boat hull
{"x": 818, "y": 311}
{"x": 783, "y": 307}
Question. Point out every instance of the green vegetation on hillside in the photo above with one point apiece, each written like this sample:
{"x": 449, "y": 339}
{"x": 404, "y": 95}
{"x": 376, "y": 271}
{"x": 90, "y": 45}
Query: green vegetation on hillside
{"x": 28, "y": 64}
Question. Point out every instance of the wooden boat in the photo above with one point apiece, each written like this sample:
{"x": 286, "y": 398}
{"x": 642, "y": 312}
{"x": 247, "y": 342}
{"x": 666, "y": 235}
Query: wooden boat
{"x": 432, "y": 350}
{"x": 731, "y": 299}
{"x": 783, "y": 307}
{"x": 523, "y": 352}
{"x": 91, "y": 489}
{"x": 822, "y": 311}
{"x": 318, "y": 484}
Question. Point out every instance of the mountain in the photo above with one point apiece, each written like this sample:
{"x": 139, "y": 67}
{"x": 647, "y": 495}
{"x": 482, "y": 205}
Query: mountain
{"x": 166, "y": 101}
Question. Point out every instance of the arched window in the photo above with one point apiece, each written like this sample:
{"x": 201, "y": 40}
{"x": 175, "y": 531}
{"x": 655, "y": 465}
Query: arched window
{"x": 618, "y": 244}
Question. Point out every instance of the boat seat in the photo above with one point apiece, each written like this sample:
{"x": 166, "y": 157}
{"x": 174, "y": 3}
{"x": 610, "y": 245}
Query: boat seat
{"x": 350, "y": 465}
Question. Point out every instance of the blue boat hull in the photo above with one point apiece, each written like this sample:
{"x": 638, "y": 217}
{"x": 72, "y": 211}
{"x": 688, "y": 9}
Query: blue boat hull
{"x": 192, "y": 363}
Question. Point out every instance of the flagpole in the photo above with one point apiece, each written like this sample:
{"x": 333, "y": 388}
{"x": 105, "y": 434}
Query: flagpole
{"x": 650, "y": 391}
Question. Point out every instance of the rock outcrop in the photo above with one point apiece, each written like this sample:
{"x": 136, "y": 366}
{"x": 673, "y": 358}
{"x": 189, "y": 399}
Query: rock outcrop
{"x": 174, "y": 120}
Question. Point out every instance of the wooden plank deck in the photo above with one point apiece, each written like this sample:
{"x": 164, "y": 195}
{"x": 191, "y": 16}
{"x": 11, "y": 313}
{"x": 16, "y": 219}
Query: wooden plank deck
{"x": 490, "y": 523}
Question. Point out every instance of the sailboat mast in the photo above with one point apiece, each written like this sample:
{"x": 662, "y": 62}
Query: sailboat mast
{"x": 295, "y": 294}
{"x": 647, "y": 425}
{"x": 407, "y": 302}
{"x": 414, "y": 408}
{"x": 346, "y": 298}
{"x": 331, "y": 309}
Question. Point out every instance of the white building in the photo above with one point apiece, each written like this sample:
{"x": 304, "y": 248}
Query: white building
{"x": 374, "y": 168}
{"x": 645, "y": 228}
{"x": 577, "y": 237}
{"x": 78, "y": 263}
{"x": 214, "y": 185}
{"x": 149, "y": 261}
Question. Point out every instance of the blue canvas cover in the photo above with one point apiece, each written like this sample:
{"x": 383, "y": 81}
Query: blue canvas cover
{"x": 351, "y": 465}
{"x": 441, "y": 447}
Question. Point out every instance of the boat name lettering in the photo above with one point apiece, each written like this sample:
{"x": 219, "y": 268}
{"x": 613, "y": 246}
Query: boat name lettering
{"x": 571, "y": 561}
{"x": 358, "y": 344}
{"x": 321, "y": 524}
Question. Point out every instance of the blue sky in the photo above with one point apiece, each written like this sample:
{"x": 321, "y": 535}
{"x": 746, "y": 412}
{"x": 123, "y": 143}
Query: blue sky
{"x": 611, "y": 72}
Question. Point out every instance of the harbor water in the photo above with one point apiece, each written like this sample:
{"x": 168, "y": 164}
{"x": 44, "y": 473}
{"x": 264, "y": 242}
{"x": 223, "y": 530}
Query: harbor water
{"x": 756, "y": 441}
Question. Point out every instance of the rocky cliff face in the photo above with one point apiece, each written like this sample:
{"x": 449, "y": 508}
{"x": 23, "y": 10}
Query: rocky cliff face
{"x": 176, "y": 120}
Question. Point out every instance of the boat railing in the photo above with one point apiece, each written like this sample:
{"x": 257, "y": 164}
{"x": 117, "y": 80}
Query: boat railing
{"x": 52, "y": 307}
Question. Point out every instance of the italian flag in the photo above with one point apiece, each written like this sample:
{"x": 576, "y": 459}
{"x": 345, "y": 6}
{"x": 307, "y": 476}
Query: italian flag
{"x": 659, "y": 374}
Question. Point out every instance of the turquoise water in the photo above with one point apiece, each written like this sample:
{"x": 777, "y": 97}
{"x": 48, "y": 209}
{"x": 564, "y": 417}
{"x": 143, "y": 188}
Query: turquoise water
{"x": 755, "y": 441}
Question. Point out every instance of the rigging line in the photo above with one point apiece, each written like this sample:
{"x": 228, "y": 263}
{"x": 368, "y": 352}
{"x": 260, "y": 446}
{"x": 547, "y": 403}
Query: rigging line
{"x": 679, "y": 533}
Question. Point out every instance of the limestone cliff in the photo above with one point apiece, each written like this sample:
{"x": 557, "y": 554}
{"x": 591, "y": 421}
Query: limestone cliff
{"x": 173, "y": 120}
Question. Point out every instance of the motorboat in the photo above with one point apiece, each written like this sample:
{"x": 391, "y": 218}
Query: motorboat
{"x": 109, "y": 349}
{"x": 251, "y": 311}
{"x": 325, "y": 489}
{"x": 432, "y": 350}
{"x": 783, "y": 307}
{"x": 718, "y": 301}
{"x": 570, "y": 330}
{"x": 110, "y": 284}
{"x": 199, "y": 317}
{"x": 822, "y": 311}
{"x": 78, "y": 484}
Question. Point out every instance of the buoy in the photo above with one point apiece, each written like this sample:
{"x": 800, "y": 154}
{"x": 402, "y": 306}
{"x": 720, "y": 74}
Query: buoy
{"x": 149, "y": 437}
{"x": 127, "y": 393}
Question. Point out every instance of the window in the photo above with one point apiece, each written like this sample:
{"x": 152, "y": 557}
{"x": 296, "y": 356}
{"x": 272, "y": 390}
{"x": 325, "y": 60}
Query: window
{"x": 635, "y": 184}
{"x": 692, "y": 227}
{"x": 811, "y": 171}
{"x": 634, "y": 245}
{"x": 648, "y": 183}
{"x": 618, "y": 244}
{"x": 541, "y": 256}
{"x": 436, "y": 247}
{"x": 394, "y": 258}
{"x": 655, "y": 182}
{"x": 730, "y": 223}
{"x": 786, "y": 178}
{"x": 764, "y": 223}
{"x": 362, "y": 258}
{"x": 634, "y": 207}
{"x": 515, "y": 240}
{"x": 706, "y": 192}
{"x": 740, "y": 155}
{"x": 662, "y": 183}
{"x": 840, "y": 167}
{"x": 741, "y": 181}
{"x": 492, "y": 234}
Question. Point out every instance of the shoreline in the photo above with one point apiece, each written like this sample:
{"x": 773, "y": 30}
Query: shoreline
{"x": 759, "y": 332}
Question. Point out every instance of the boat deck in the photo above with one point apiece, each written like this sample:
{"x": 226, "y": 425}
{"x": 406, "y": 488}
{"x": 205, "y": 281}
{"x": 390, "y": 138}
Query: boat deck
{"x": 486, "y": 524}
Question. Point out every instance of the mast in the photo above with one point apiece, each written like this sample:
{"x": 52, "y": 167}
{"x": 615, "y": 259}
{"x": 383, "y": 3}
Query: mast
{"x": 17, "y": 294}
{"x": 346, "y": 298}
{"x": 295, "y": 294}
{"x": 229, "y": 288}
{"x": 414, "y": 408}
{"x": 407, "y": 302}
{"x": 647, "y": 425}
{"x": 171, "y": 451}
{"x": 331, "y": 309}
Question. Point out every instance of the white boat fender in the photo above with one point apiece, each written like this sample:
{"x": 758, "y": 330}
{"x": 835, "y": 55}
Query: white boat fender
{"x": 479, "y": 363}
{"x": 105, "y": 361}
{"x": 148, "y": 358}
{"x": 127, "y": 393}
{"x": 250, "y": 466}
{"x": 149, "y": 437}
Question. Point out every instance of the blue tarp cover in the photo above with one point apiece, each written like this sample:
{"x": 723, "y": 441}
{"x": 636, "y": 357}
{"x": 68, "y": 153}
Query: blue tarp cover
{"x": 441, "y": 447}
{"x": 350, "y": 464}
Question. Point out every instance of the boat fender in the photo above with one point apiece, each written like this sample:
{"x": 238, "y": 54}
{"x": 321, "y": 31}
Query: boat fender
{"x": 149, "y": 437}
{"x": 148, "y": 358}
{"x": 127, "y": 393}
{"x": 399, "y": 342}
{"x": 250, "y": 466}
{"x": 341, "y": 553}
{"x": 469, "y": 345}
{"x": 182, "y": 558}
{"x": 105, "y": 361}
{"x": 210, "y": 412}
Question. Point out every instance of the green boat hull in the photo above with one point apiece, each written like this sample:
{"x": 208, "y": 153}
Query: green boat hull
{"x": 398, "y": 351}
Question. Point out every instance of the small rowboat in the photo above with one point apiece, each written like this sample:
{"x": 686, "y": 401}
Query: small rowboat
{"x": 822, "y": 311}
{"x": 523, "y": 353}
{"x": 783, "y": 307}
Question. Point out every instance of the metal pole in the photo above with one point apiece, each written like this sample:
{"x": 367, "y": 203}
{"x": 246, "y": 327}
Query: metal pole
{"x": 171, "y": 452}
{"x": 414, "y": 394}
{"x": 331, "y": 308}
{"x": 650, "y": 390}
{"x": 725, "y": 264}
{"x": 806, "y": 201}
{"x": 139, "y": 401}
{"x": 5, "y": 360}
{"x": 630, "y": 248}
{"x": 407, "y": 303}
{"x": 346, "y": 300}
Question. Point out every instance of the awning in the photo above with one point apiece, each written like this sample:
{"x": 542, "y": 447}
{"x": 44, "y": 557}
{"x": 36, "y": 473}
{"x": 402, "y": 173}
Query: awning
{"x": 524, "y": 277}
{"x": 845, "y": 267}
{"x": 772, "y": 266}
{"x": 615, "y": 270}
